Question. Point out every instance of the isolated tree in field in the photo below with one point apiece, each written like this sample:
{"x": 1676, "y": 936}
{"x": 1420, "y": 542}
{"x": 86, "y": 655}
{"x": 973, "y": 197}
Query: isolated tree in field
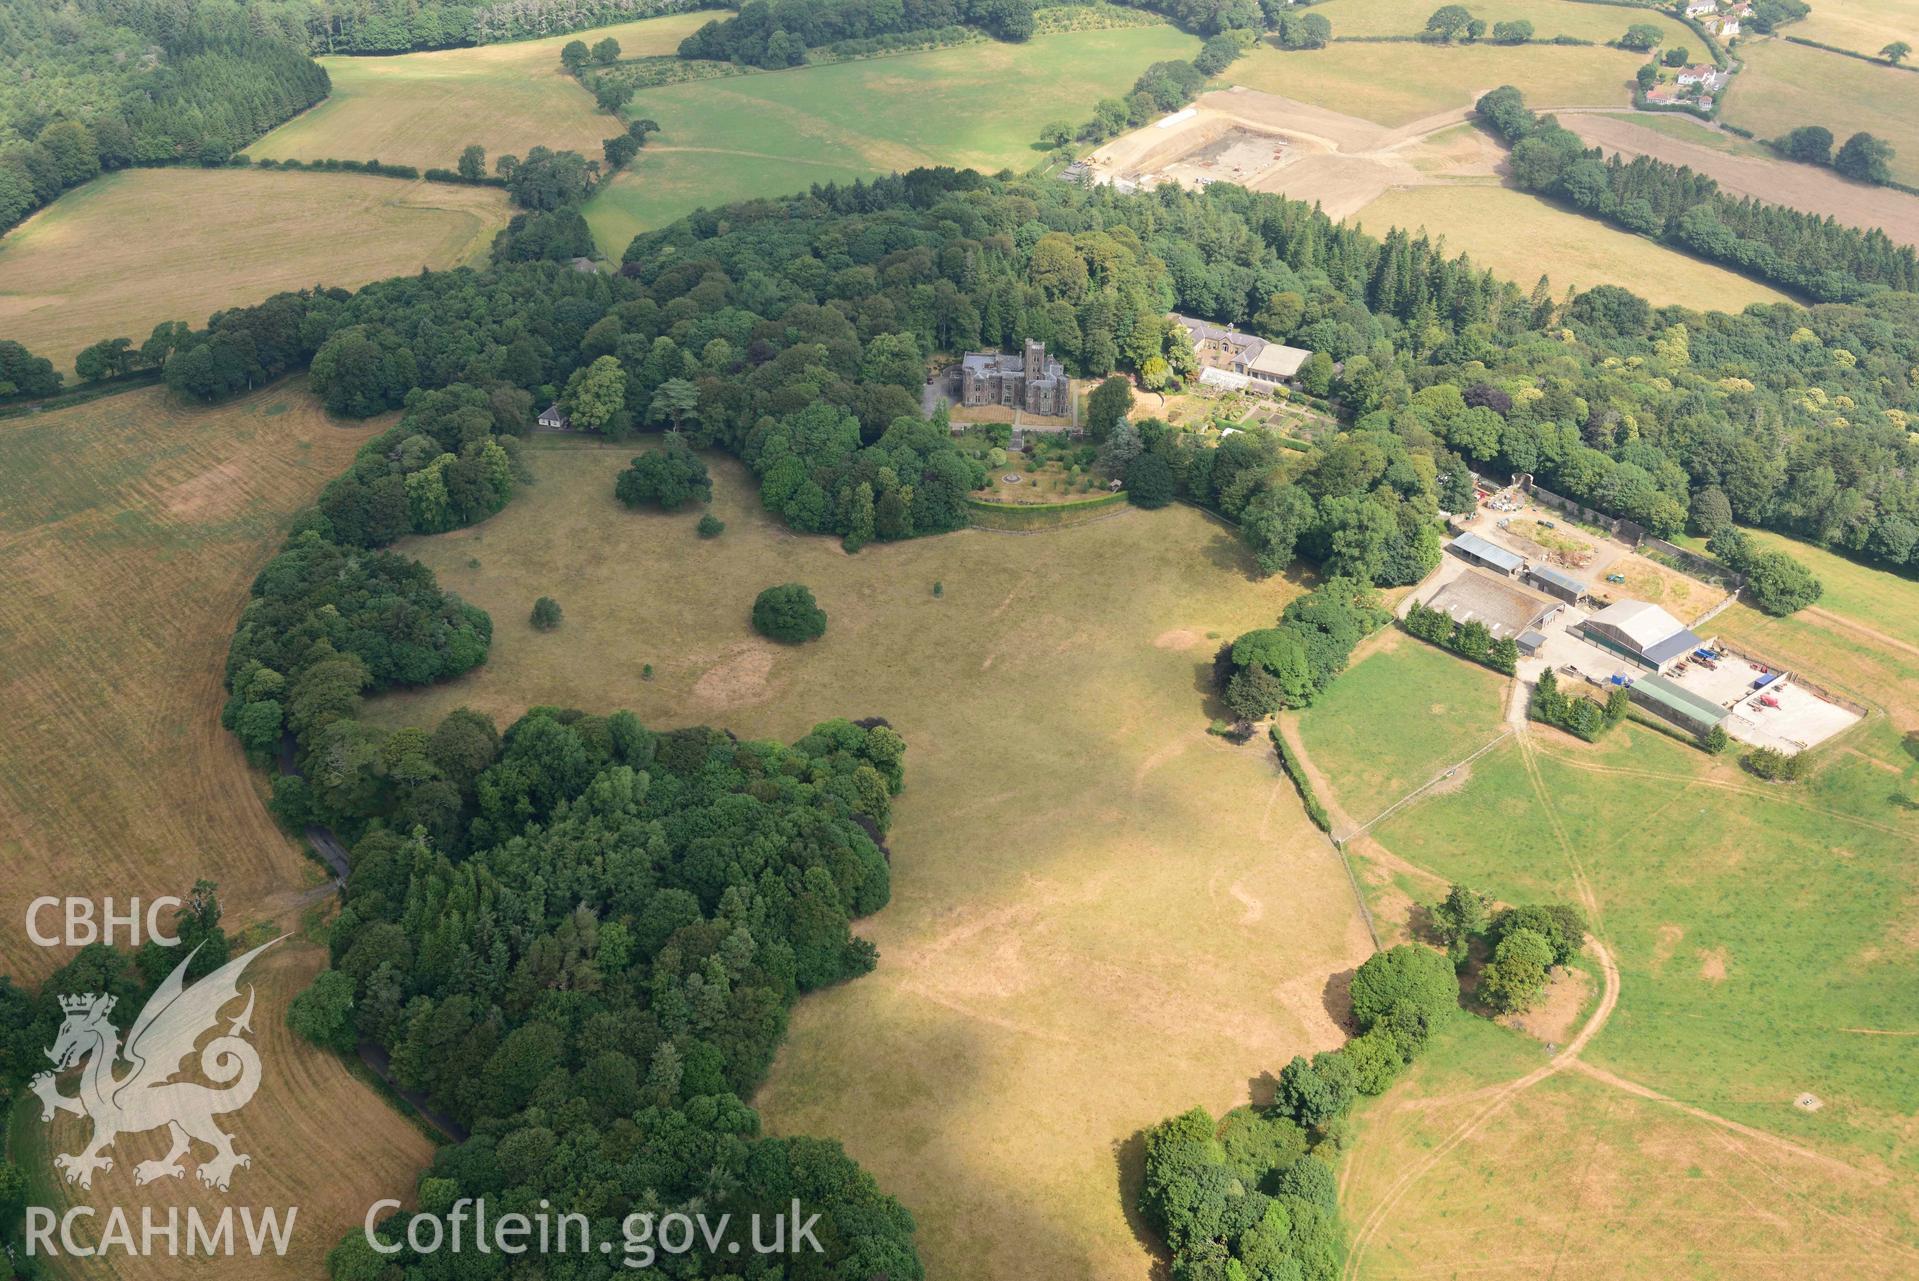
{"x": 1409, "y": 972}
{"x": 710, "y": 526}
{"x": 1808, "y": 144}
{"x": 1518, "y": 31}
{"x": 1865, "y": 158}
{"x": 595, "y": 397}
{"x": 1516, "y": 976}
{"x": 1896, "y": 52}
{"x": 1677, "y": 56}
{"x": 473, "y": 162}
{"x": 1056, "y": 134}
{"x": 1641, "y": 37}
{"x": 606, "y": 52}
{"x": 668, "y": 478}
{"x": 573, "y": 55}
{"x": 1108, "y": 406}
{"x": 789, "y": 614}
{"x": 1448, "y": 21}
{"x": 546, "y": 614}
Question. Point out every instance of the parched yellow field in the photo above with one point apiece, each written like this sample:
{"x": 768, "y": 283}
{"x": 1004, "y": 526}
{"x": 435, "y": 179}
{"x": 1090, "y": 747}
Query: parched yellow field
{"x": 127, "y": 251}
{"x": 130, "y": 528}
{"x": 322, "y": 1141}
{"x": 1866, "y": 26}
{"x": 1788, "y": 85}
{"x": 425, "y": 108}
{"x": 1101, "y": 915}
{"x": 1396, "y": 84}
{"x": 1549, "y": 18}
{"x": 1521, "y": 237}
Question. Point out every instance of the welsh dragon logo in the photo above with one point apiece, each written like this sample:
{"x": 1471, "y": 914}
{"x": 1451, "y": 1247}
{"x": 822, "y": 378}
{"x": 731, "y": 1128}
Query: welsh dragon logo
{"x": 147, "y": 1097}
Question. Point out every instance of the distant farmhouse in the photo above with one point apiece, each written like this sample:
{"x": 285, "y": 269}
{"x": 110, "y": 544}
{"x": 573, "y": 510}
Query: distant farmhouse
{"x": 1237, "y": 361}
{"x": 555, "y": 419}
{"x": 1033, "y": 381}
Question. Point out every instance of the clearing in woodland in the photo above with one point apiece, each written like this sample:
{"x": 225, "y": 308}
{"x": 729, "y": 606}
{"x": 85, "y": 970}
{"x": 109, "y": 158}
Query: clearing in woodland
{"x": 1101, "y": 915}
{"x": 425, "y": 108}
{"x": 1787, "y": 85}
{"x": 978, "y": 106}
{"x": 1745, "y": 170}
{"x": 129, "y": 530}
{"x": 116, "y": 257}
{"x": 1521, "y": 237}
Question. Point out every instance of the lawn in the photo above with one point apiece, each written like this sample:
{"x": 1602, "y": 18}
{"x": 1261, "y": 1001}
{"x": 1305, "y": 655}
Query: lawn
{"x": 1101, "y": 914}
{"x": 1763, "y": 934}
{"x": 1403, "y": 713}
{"x": 1521, "y": 237}
{"x": 1787, "y": 85}
{"x": 424, "y": 108}
{"x": 1396, "y": 84}
{"x": 1865, "y": 26}
{"x": 1549, "y": 18}
{"x": 127, "y": 251}
{"x": 979, "y": 106}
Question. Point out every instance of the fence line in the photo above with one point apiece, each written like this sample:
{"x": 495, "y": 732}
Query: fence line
{"x": 1423, "y": 788}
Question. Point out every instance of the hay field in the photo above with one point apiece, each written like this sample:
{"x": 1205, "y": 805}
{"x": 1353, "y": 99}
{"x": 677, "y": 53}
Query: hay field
{"x": 979, "y": 106}
{"x": 321, "y": 1139}
{"x": 1549, "y": 18}
{"x": 1787, "y": 85}
{"x": 425, "y": 108}
{"x": 1101, "y": 915}
{"x": 1520, "y": 237}
{"x": 1401, "y": 714}
{"x": 130, "y": 529}
{"x": 1396, "y": 84}
{"x": 1742, "y": 168}
{"x": 1865, "y": 26}
{"x": 127, "y": 251}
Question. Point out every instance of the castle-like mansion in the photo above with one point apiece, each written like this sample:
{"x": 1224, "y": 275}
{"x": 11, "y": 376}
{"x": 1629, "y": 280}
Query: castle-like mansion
{"x": 1032, "y": 382}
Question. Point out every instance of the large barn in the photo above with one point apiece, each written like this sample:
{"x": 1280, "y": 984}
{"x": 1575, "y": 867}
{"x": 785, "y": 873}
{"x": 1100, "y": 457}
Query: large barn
{"x": 1641, "y": 632}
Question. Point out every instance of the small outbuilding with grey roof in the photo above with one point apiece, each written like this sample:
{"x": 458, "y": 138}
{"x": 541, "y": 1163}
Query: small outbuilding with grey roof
{"x": 1475, "y": 550}
{"x": 1640, "y": 632}
{"x": 1673, "y": 702}
{"x": 1554, "y": 583}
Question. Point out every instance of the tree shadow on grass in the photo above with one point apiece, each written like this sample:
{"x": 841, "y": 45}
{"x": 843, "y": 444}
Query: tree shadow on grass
{"x": 1129, "y": 1166}
{"x": 1336, "y": 998}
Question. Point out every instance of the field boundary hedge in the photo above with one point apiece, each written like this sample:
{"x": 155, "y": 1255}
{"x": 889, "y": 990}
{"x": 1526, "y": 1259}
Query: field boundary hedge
{"x": 1849, "y": 53}
{"x": 1307, "y": 796}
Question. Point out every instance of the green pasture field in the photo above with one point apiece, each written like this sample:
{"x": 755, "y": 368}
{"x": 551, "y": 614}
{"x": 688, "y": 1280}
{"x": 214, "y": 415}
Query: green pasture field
{"x": 1763, "y": 933}
{"x": 1399, "y": 83}
{"x": 1101, "y": 913}
{"x": 1521, "y": 237}
{"x": 1864, "y": 26}
{"x": 979, "y": 106}
{"x": 1788, "y": 85}
{"x": 1401, "y": 714}
{"x": 423, "y": 109}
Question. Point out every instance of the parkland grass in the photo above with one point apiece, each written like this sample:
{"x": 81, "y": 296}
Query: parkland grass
{"x": 129, "y": 530}
{"x": 1396, "y": 84}
{"x": 1402, "y": 714}
{"x": 1101, "y": 914}
{"x": 129, "y": 250}
{"x": 1521, "y": 237}
{"x": 978, "y": 106}
{"x": 423, "y": 109}
{"x": 1549, "y": 18}
{"x": 1786, "y": 85}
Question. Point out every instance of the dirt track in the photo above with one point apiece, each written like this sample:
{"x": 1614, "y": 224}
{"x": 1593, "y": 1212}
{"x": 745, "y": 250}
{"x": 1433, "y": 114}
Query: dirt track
{"x": 1803, "y": 187}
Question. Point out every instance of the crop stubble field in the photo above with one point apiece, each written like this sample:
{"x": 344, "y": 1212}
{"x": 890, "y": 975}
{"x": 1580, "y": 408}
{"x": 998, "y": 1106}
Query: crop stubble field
{"x": 129, "y": 530}
{"x": 1101, "y": 915}
{"x": 129, "y": 250}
